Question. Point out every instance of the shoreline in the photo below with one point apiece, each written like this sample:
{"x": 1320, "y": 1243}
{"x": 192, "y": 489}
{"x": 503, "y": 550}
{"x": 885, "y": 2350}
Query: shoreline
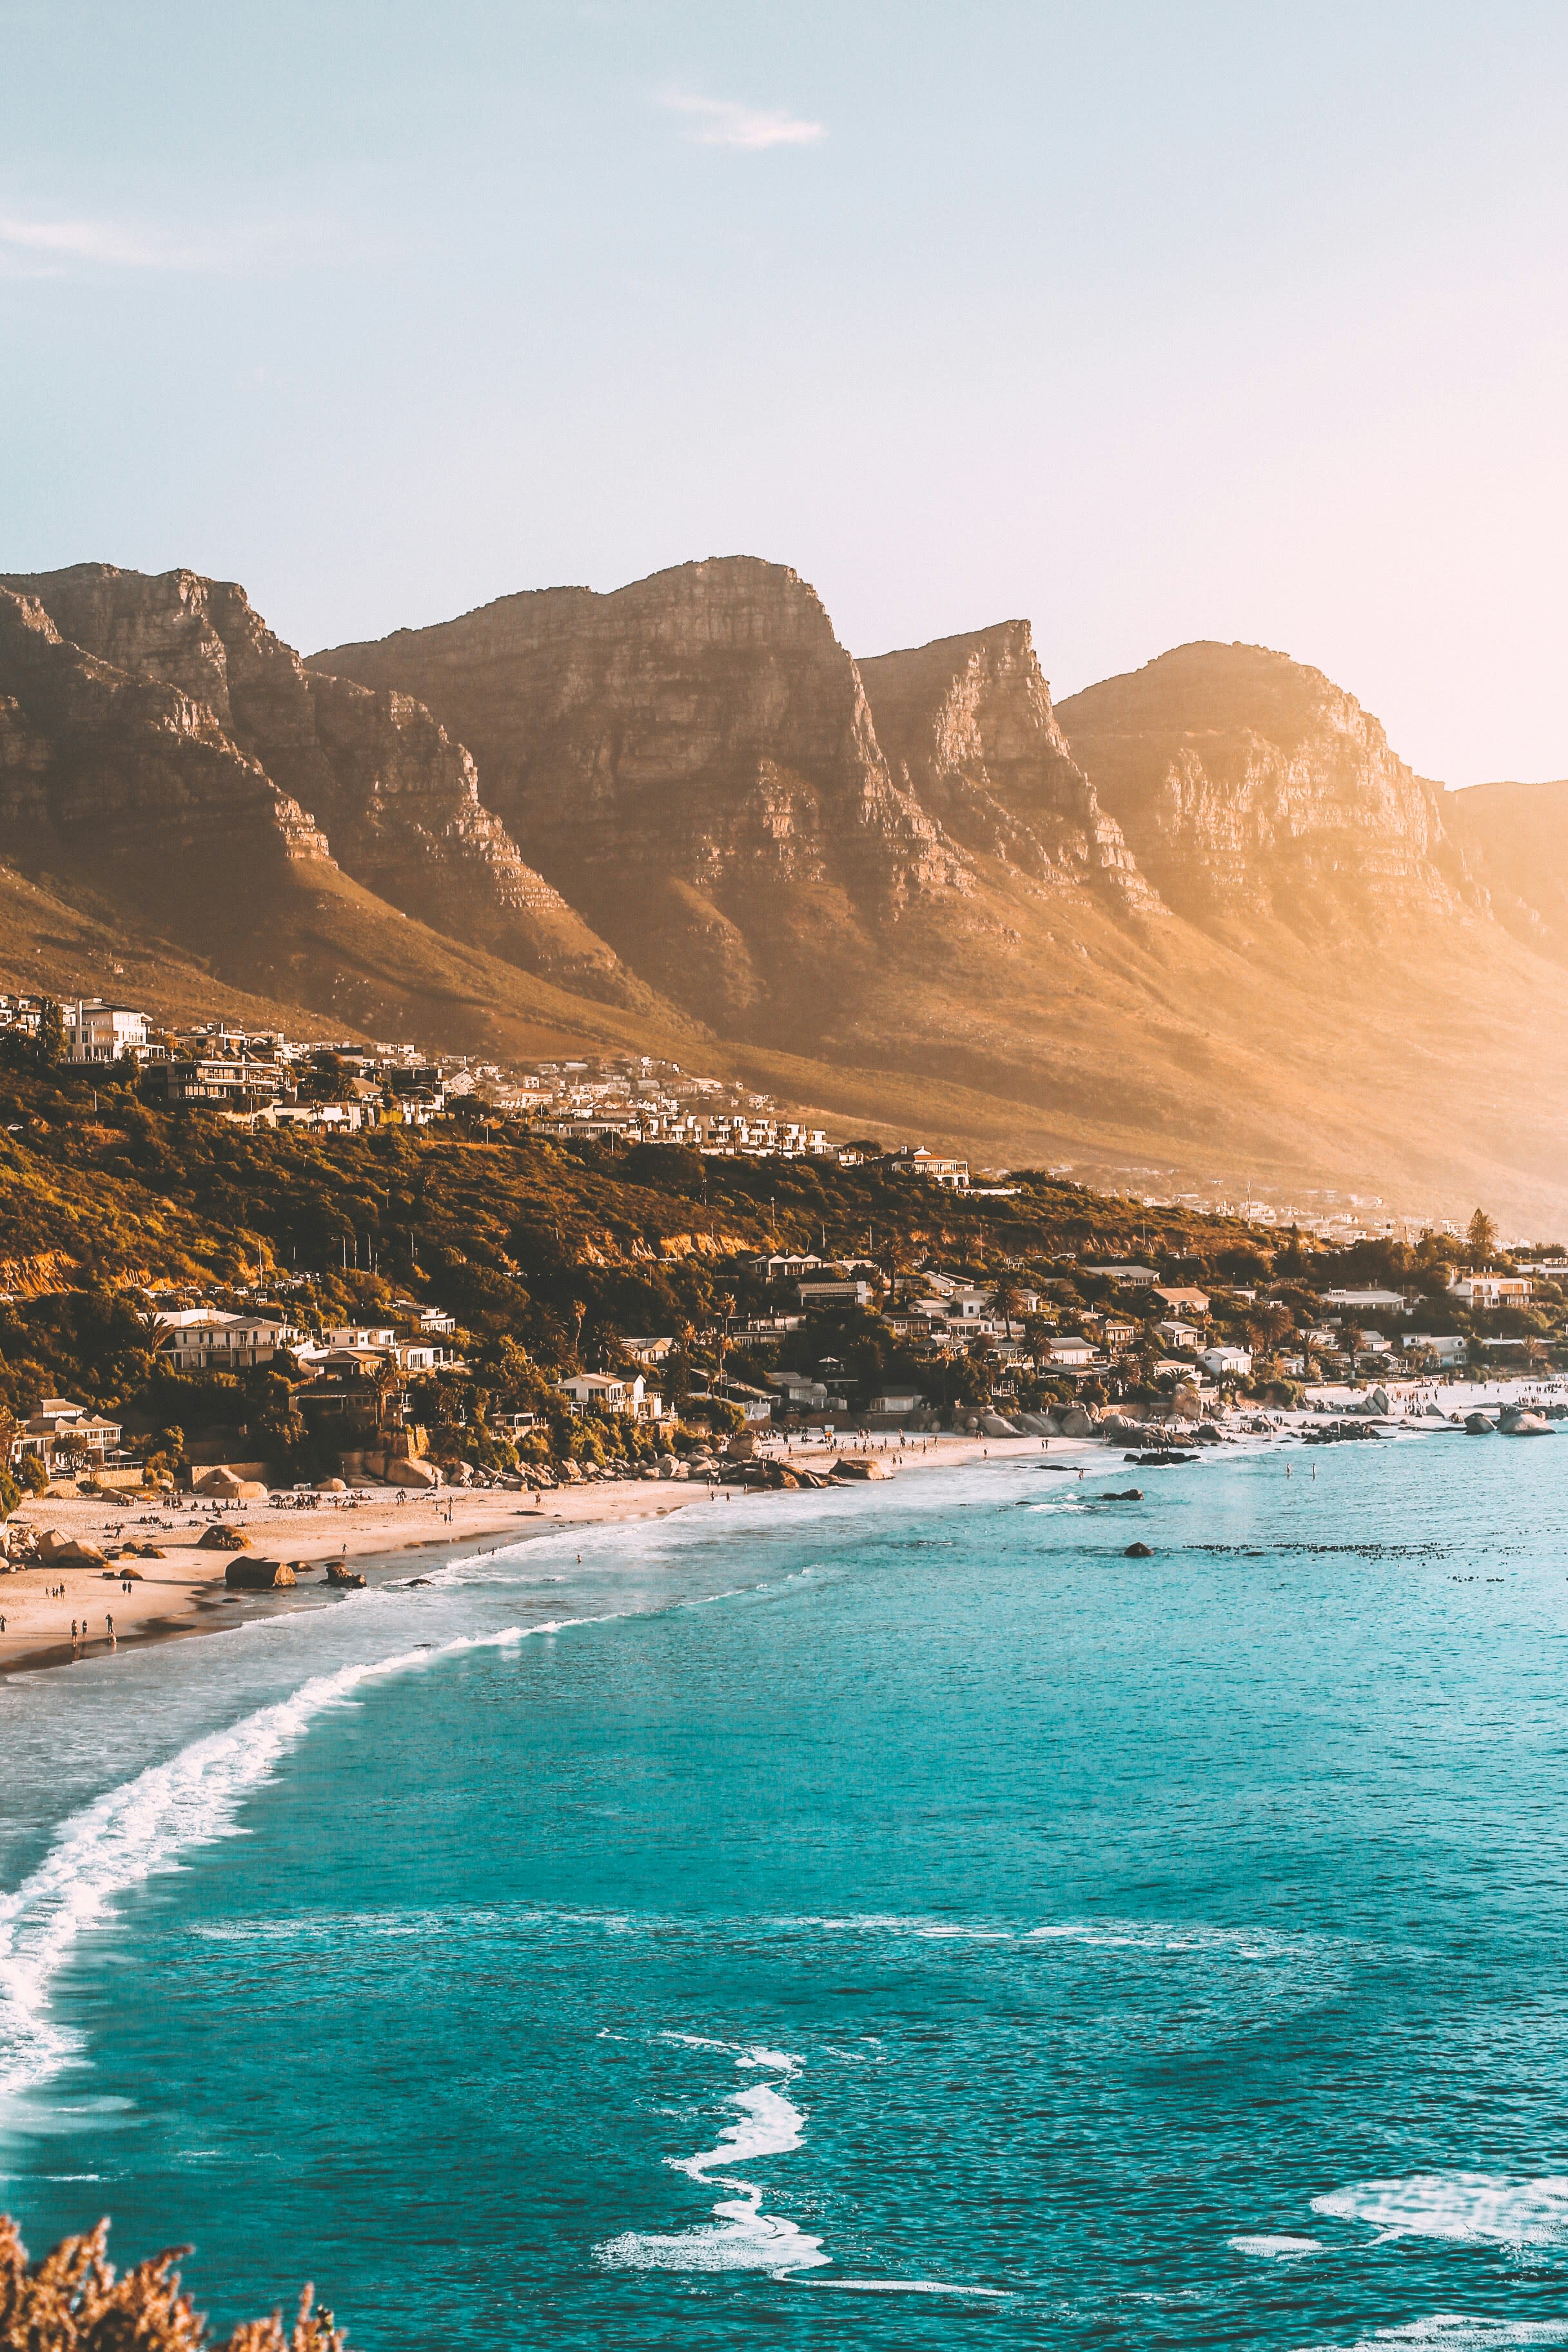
{"x": 184, "y": 1595}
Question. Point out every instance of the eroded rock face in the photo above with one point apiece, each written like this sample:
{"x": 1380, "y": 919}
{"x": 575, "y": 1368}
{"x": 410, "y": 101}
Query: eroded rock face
{"x": 1515, "y": 839}
{"x": 1249, "y": 786}
{"x": 967, "y": 725}
{"x": 693, "y": 762}
{"x": 397, "y": 798}
{"x": 129, "y": 781}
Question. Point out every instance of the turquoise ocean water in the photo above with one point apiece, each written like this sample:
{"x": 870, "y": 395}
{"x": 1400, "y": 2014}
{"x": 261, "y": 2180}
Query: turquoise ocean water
{"x": 884, "y": 1918}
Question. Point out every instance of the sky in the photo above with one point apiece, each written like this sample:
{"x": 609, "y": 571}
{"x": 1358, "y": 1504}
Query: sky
{"x": 1147, "y": 322}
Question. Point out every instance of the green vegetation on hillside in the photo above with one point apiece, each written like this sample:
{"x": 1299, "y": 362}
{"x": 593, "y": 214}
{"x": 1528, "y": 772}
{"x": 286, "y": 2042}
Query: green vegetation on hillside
{"x": 548, "y": 1256}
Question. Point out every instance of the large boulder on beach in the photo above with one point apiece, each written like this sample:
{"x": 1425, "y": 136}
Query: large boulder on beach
{"x": 70, "y": 1552}
{"x": 224, "y": 1486}
{"x": 1079, "y": 1422}
{"x": 257, "y": 1575}
{"x": 861, "y": 1466}
{"x": 403, "y": 1470}
{"x": 996, "y": 1425}
{"x": 223, "y": 1539}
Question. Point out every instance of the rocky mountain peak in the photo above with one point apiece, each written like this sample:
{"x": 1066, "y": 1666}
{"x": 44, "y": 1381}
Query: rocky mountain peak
{"x": 1249, "y": 786}
{"x": 692, "y": 761}
{"x": 398, "y": 798}
{"x": 967, "y": 725}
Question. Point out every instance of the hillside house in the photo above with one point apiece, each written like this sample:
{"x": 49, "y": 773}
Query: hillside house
{"x": 203, "y": 1340}
{"x": 60, "y": 1428}
{"x": 1491, "y": 1290}
{"x": 96, "y": 1032}
{"x": 1183, "y": 1302}
{"x": 609, "y": 1392}
{"x": 1177, "y": 1334}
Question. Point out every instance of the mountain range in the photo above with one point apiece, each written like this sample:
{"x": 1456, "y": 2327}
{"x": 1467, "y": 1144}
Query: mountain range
{"x": 1199, "y": 920}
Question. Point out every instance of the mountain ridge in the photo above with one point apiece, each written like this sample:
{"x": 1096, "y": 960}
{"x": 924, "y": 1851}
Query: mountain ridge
{"x": 1201, "y": 914}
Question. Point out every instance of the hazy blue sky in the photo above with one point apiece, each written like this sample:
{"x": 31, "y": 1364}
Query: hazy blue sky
{"x": 1147, "y": 321}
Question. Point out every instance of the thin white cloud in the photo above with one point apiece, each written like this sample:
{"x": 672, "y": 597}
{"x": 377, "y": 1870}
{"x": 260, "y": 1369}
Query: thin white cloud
{"x": 724, "y": 122}
{"x": 107, "y": 243}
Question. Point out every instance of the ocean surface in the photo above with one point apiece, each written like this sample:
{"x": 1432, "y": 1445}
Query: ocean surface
{"x": 884, "y": 1918}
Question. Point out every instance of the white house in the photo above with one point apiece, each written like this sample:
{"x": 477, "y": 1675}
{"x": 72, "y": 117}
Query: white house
{"x": 96, "y": 1032}
{"x": 835, "y": 1294}
{"x": 1226, "y": 1363}
{"x": 1491, "y": 1290}
{"x": 1386, "y": 1302}
{"x": 1135, "y": 1278}
{"x": 1176, "y": 1334}
{"x": 647, "y": 1352}
{"x": 202, "y": 1339}
{"x": 1448, "y": 1347}
{"x": 1069, "y": 1351}
{"x": 919, "y": 1162}
{"x": 607, "y": 1392}
{"x": 60, "y": 1426}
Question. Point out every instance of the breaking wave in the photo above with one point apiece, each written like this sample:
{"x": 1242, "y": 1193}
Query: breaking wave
{"x": 134, "y": 1833}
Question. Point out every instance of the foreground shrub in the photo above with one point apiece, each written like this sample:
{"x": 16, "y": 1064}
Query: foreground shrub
{"x": 72, "y": 2302}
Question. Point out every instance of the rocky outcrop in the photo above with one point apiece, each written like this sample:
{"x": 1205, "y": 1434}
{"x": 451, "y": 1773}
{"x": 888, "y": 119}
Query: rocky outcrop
{"x": 692, "y": 762}
{"x": 397, "y": 798}
{"x": 127, "y": 781}
{"x": 1515, "y": 839}
{"x": 966, "y": 724}
{"x": 1251, "y": 788}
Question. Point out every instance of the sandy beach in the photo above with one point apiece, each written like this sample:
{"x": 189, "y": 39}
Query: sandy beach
{"x": 184, "y": 1594}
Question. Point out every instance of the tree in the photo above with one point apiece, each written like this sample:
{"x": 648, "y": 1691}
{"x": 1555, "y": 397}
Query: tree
{"x": 50, "y": 1044}
{"x": 10, "y": 1491}
{"x": 1481, "y": 1235}
{"x": 1004, "y": 1302}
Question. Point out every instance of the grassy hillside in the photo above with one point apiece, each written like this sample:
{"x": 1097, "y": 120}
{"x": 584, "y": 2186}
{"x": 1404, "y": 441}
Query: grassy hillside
{"x": 547, "y": 1256}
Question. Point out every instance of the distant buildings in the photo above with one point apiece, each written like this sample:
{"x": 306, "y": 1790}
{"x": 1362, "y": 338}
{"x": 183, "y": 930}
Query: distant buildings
{"x": 1491, "y": 1290}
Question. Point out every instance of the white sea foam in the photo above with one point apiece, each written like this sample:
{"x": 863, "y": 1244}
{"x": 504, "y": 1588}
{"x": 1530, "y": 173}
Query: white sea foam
{"x": 907, "y": 2286}
{"x": 1275, "y": 2249}
{"x": 741, "y": 2236}
{"x": 1462, "y": 2205}
{"x": 1455, "y": 2331}
{"x": 135, "y": 1832}
{"x": 769, "y": 2124}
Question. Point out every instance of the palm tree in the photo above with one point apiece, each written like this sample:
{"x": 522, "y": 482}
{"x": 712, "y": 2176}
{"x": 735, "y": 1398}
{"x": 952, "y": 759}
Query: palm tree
{"x": 1004, "y": 1301}
{"x": 1481, "y": 1235}
{"x": 384, "y": 1380}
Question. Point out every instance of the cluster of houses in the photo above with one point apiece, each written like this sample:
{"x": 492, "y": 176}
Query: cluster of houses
{"x": 262, "y": 1078}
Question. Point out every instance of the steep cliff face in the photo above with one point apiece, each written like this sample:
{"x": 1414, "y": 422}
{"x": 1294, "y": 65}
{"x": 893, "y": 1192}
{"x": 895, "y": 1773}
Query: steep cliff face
{"x": 1251, "y": 789}
{"x": 398, "y": 799}
{"x": 692, "y": 762}
{"x": 1515, "y": 840}
{"x": 967, "y": 726}
{"x": 125, "y": 778}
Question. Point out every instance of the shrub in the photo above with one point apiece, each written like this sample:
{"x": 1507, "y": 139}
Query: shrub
{"x": 71, "y": 2301}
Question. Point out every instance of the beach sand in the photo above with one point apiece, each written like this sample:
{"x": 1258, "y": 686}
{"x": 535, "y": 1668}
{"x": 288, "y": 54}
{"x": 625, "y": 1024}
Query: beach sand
{"x": 184, "y": 1593}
